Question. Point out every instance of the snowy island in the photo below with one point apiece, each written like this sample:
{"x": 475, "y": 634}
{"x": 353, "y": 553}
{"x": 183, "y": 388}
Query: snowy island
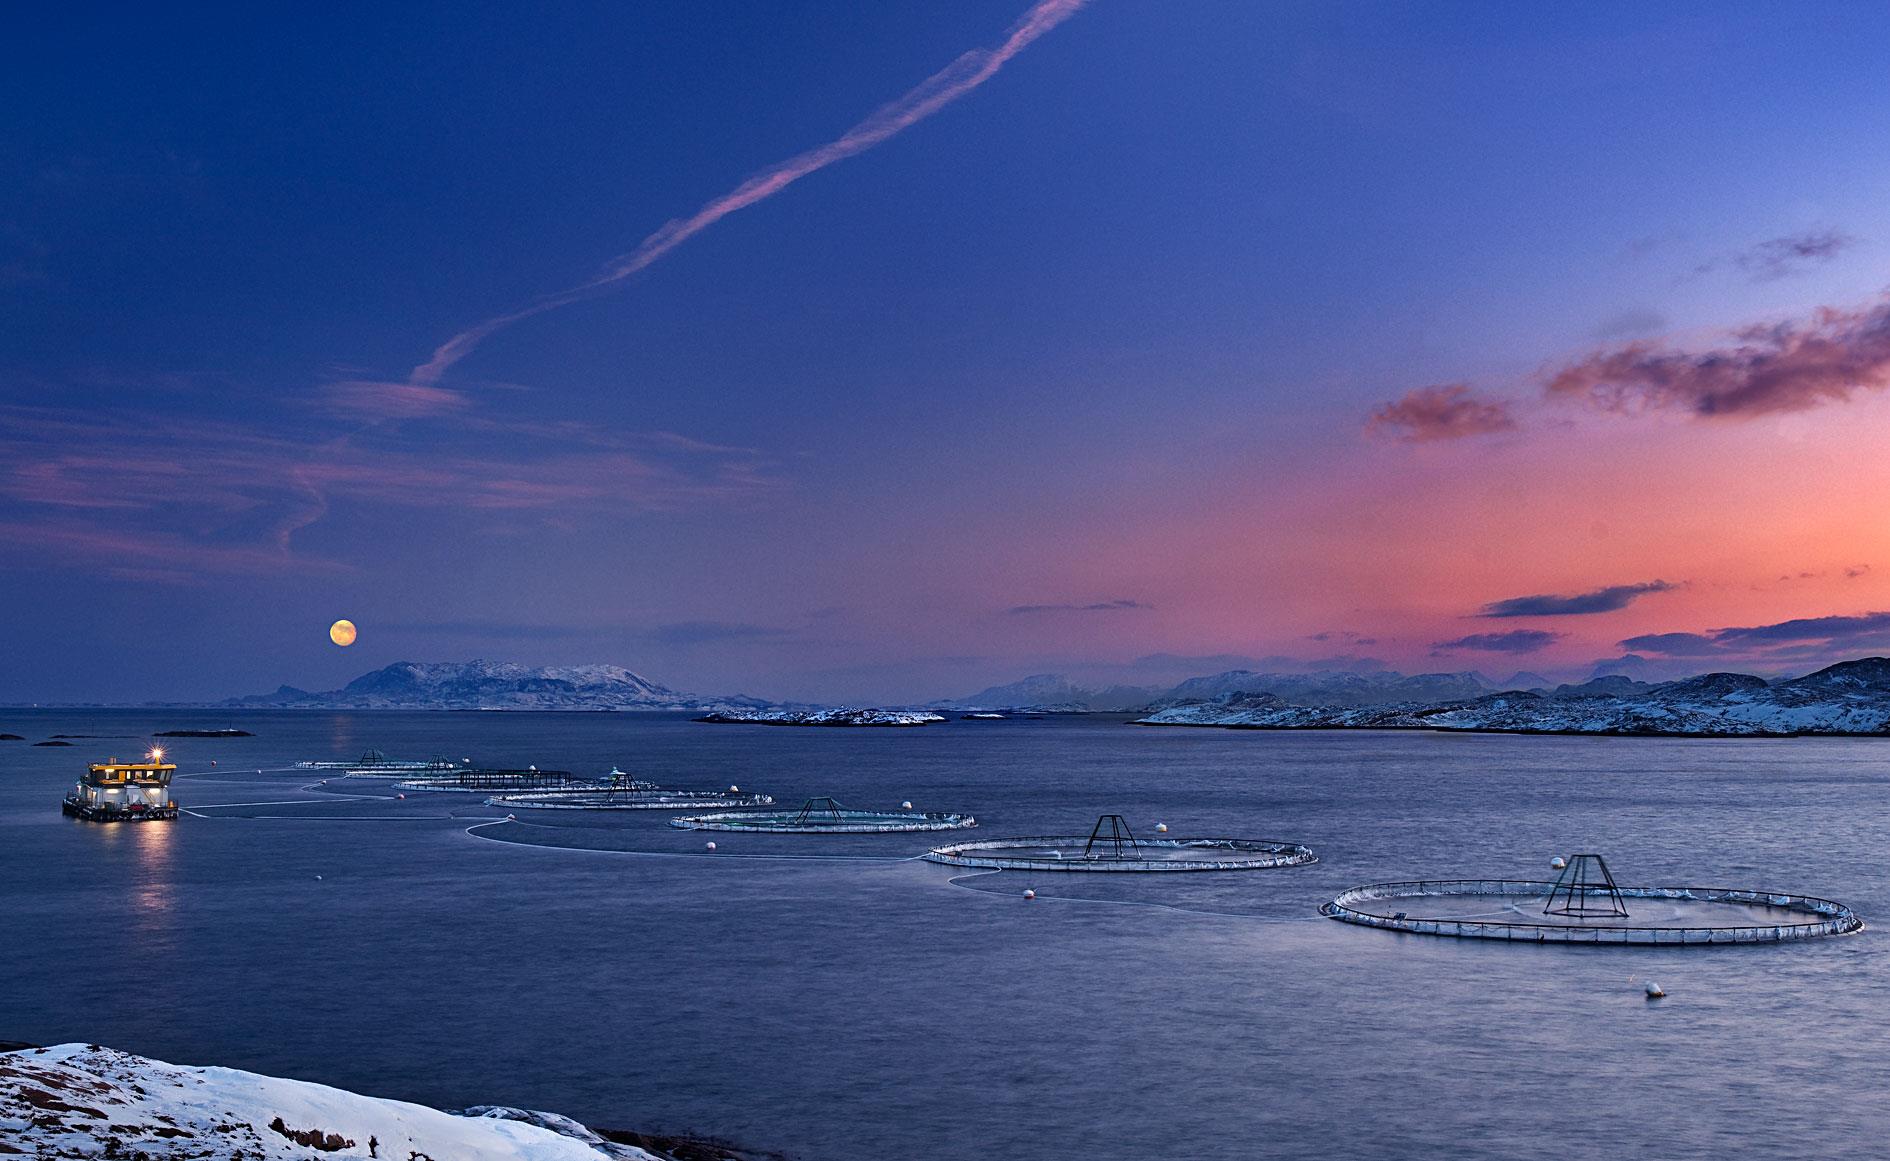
{"x": 1849, "y": 698}
{"x": 822, "y": 717}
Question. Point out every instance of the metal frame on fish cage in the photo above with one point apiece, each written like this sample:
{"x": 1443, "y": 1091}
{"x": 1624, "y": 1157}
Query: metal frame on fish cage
{"x": 1586, "y": 888}
{"x": 1823, "y": 917}
{"x": 825, "y": 816}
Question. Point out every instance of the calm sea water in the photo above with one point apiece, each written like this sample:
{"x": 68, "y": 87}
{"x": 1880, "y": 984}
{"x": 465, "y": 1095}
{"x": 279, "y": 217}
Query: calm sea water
{"x": 609, "y": 968}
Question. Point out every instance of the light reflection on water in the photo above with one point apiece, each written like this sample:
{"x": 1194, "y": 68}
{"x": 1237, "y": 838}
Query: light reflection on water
{"x": 152, "y": 879}
{"x": 847, "y": 1009}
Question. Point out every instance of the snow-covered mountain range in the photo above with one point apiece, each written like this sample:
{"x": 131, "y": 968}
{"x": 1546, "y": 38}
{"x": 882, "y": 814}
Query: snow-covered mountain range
{"x": 1851, "y": 697}
{"x": 1047, "y": 692}
{"x": 495, "y": 685}
{"x": 1056, "y": 693}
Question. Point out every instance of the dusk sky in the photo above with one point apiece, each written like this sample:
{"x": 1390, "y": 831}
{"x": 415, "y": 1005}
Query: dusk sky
{"x": 883, "y": 352}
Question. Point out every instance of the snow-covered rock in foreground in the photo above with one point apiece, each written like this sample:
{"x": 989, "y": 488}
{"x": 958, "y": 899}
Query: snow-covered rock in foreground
{"x": 84, "y": 1101}
{"x": 1852, "y": 697}
{"x": 825, "y": 717}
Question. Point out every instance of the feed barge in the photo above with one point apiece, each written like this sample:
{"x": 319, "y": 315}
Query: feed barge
{"x": 114, "y": 791}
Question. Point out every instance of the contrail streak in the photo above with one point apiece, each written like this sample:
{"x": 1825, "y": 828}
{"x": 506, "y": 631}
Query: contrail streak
{"x": 926, "y": 98}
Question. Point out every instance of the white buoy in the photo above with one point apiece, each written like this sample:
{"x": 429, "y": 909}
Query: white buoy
{"x": 734, "y": 790}
{"x": 318, "y": 878}
{"x": 1558, "y": 863}
{"x": 905, "y": 805}
{"x": 511, "y": 818}
{"x": 1654, "y": 990}
{"x": 1030, "y": 894}
{"x": 1161, "y": 827}
{"x": 711, "y": 846}
{"x": 400, "y": 796}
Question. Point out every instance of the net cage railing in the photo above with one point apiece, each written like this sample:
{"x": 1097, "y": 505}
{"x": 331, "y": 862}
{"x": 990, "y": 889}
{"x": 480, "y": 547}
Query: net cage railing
{"x": 1252, "y": 855}
{"x": 465, "y": 781}
{"x": 836, "y": 821}
{"x": 385, "y": 767}
{"x": 622, "y": 798}
{"x": 1824, "y": 917}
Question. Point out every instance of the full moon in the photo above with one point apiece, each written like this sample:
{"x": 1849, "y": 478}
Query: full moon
{"x": 342, "y": 632}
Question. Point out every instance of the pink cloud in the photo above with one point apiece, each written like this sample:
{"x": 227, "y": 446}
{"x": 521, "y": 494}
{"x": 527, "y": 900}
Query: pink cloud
{"x": 1448, "y": 411}
{"x": 1760, "y": 370}
{"x": 964, "y": 74}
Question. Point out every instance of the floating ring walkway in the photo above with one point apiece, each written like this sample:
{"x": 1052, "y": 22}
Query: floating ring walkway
{"x": 614, "y": 798}
{"x": 471, "y": 781}
{"x": 1067, "y": 853}
{"x": 825, "y": 816}
{"x": 1111, "y": 846}
{"x": 1694, "y": 916}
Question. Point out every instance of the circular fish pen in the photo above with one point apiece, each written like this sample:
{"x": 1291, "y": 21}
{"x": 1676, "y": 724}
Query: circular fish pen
{"x": 640, "y": 797}
{"x": 825, "y": 816}
{"x": 1585, "y": 906}
{"x": 374, "y": 764}
{"x": 471, "y": 781}
{"x": 1110, "y": 847}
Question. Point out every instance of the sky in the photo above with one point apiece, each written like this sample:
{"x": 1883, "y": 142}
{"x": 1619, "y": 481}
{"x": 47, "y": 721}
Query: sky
{"x": 841, "y": 352}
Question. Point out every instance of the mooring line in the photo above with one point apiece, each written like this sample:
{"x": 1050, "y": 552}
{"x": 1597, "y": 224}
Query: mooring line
{"x": 328, "y": 800}
{"x": 954, "y": 881}
{"x": 339, "y": 817}
{"x": 276, "y": 802}
{"x": 678, "y": 854}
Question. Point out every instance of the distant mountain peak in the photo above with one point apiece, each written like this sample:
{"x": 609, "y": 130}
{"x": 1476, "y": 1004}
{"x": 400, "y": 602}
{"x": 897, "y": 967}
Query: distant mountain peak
{"x": 1330, "y": 687}
{"x": 482, "y": 684}
{"x": 1864, "y": 673}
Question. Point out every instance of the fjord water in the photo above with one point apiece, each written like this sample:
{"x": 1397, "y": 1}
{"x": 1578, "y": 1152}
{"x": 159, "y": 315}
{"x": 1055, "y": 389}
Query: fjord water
{"x": 610, "y": 968}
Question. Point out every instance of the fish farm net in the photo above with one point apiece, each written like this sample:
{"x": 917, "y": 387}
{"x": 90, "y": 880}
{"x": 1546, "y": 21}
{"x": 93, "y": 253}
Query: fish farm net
{"x": 1110, "y": 847}
{"x": 375, "y": 764}
{"x": 825, "y": 816}
{"x": 472, "y": 781}
{"x": 627, "y": 798}
{"x": 1532, "y": 911}
{"x": 1067, "y": 853}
